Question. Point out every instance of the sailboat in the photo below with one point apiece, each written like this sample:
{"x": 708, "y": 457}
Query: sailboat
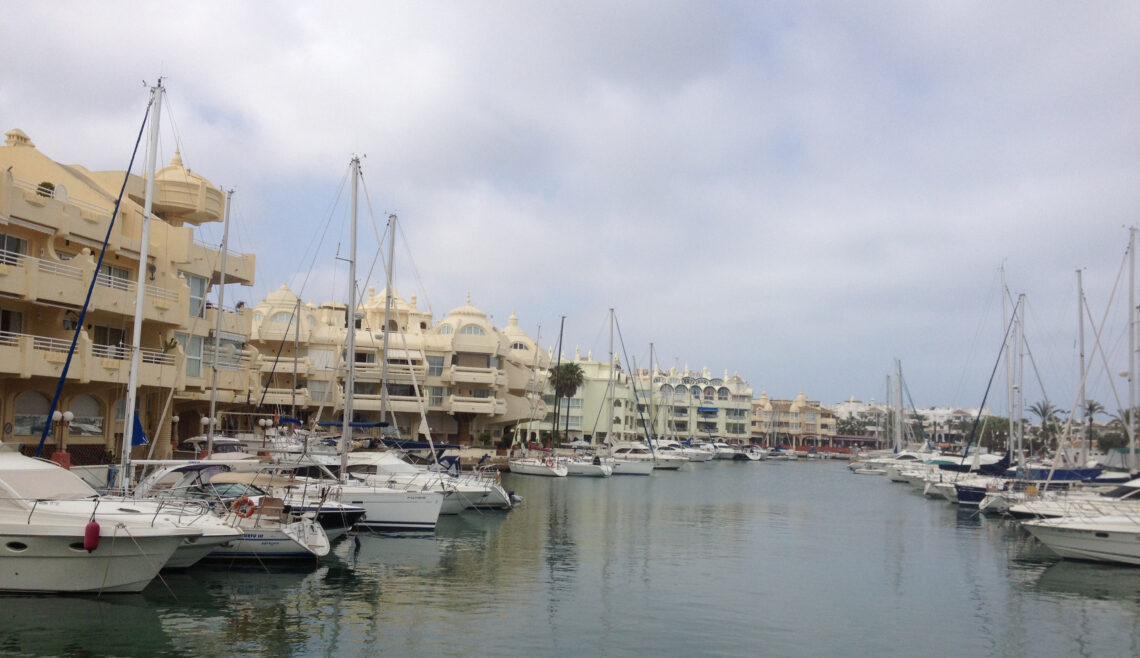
{"x": 386, "y": 508}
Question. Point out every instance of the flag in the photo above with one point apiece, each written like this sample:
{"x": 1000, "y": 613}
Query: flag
{"x": 138, "y": 437}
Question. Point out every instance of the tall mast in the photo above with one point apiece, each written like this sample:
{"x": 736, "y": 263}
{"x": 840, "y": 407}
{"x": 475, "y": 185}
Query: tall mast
{"x": 1019, "y": 384}
{"x": 388, "y": 316}
{"x": 1012, "y": 443}
{"x": 296, "y": 355}
{"x": 350, "y": 341}
{"x": 1132, "y": 348}
{"x": 218, "y": 326}
{"x": 156, "y": 93}
{"x": 1081, "y": 338}
{"x": 611, "y": 383}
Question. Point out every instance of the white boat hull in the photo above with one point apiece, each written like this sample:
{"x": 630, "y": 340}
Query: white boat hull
{"x": 392, "y": 509}
{"x": 624, "y": 467}
{"x": 299, "y": 540}
{"x": 51, "y": 558}
{"x": 1105, "y": 539}
{"x": 547, "y": 467}
{"x": 589, "y": 469}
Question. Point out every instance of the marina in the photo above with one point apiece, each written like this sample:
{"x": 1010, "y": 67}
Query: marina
{"x": 719, "y": 558}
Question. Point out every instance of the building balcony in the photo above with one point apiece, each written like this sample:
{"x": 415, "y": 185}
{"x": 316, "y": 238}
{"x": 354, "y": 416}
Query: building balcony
{"x": 285, "y": 396}
{"x": 65, "y": 284}
{"x": 303, "y": 366}
{"x": 457, "y": 404}
{"x": 239, "y": 266}
{"x": 234, "y": 321}
{"x": 399, "y": 373}
{"x": 26, "y": 356}
{"x": 471, "y": 375}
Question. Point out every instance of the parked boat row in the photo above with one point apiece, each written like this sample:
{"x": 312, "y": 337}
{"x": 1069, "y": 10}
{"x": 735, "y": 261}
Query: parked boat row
{"x": 1087, "y": 518}
{"x": 630, "y": 458}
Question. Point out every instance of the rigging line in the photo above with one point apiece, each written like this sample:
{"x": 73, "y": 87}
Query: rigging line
{"x": 633, "y": 385}
{"x": 91, "y": 285}
{"x": 379, "y": 255}
{"x": 997, "y": 362}
{"x": 975, "y": 341}
{"x": 293, "y": 315}
{"x": 406, "y": 244}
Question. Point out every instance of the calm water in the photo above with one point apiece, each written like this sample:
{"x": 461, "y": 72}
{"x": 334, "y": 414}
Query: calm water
{"x": 779, "y": 559}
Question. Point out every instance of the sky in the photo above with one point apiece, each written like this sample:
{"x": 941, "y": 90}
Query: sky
{"x": 795, "y": 192}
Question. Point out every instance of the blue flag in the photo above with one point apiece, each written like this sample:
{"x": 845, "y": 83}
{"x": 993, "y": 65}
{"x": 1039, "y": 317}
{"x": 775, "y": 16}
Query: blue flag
{"x": 138, "y": 437}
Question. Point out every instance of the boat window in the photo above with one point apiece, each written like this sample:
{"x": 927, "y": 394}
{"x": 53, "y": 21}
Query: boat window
{"x": 46, "y": 484}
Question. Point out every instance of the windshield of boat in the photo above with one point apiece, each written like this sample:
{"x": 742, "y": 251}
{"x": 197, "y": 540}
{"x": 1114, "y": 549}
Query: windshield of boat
{"x": 46, "y": 484}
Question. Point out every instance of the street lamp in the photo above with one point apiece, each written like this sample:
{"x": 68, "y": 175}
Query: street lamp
{"x": 61, "y": 420}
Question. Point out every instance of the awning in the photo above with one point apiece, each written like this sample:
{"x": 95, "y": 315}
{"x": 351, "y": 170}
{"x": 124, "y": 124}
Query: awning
{"x": 707, "y": 410}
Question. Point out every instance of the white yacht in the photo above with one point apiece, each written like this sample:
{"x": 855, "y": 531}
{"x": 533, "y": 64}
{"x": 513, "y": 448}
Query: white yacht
{"x": 460, "y": 490}
{"x": 589, "y": 466}
{"x": 58, "y": 535}
{"x": 548, "y": 466}
{"x": 1103, "y": 539}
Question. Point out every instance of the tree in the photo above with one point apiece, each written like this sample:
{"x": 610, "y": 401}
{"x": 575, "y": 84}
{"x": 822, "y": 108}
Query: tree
{"x": 565, "y": 379}
{"x": 851, "y": 426}
{"x": 1047, "y": 415}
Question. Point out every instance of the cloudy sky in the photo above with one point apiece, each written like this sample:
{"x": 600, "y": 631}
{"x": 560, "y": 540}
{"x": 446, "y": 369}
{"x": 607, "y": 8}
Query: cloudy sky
{"x": 797, "y": 192}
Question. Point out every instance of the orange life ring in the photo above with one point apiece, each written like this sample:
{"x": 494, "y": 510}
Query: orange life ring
{"x": 243, "y": 507}
{"x": 550, "y": 462}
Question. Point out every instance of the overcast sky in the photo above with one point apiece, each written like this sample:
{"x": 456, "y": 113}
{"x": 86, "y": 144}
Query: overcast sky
{"x": 796, "y": 192}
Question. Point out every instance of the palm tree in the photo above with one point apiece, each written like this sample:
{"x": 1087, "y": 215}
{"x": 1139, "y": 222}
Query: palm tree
{"x": 1047, "y": 414}
{"x": 565, "y": 379}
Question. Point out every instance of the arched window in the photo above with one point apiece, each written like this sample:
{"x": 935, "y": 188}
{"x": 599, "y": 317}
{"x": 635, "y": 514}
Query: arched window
{"x": 520, "y": 346}
{"x": 472, "y": 330}
{"x": 722, "y": 393}
{"x": 282, "y": 317}
{"x": 696, "y": 391}
{"x": 710, "y": 392}
{"x": 666, "y": 390}
{"x": 257, "y": 317}
{"x": 88, "y": 419}
{"x": 446, "y": 329}
{"x": 31, "y": 410}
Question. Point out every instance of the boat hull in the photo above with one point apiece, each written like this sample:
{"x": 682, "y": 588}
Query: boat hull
{"x": 38, "y": 558}
{"x": 1098, "y": 540}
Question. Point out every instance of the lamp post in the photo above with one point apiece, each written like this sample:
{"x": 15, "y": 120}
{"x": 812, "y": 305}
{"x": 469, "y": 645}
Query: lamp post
{"x": 61, "y": 420}
{"x": 264, "y": 424}
{"x": 173, "y": 433}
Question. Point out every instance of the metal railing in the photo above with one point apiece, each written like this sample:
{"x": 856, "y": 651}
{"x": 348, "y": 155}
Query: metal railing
{"x": 50, "y": 193}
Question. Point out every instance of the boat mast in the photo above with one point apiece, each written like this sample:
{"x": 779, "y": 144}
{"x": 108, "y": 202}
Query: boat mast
{"x": 1132, "y": 348}
{"x": 387, "y": 319}
{"x": 156, "y": 93}
{"x": 1012, "y": 445}
{"x": 1081, "y": 337}
{"x": 218, "y": 327}
{"x": 350, "y": 341}
{"x": 1020, "y": 361}
{"x": 611, "y": 383}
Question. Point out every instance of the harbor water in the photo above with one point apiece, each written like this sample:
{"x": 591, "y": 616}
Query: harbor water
{"x": 724, "y": 558}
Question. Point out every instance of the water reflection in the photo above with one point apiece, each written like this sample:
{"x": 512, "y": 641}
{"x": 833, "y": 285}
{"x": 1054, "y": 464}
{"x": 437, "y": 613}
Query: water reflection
{"x": 1092, "y": 581}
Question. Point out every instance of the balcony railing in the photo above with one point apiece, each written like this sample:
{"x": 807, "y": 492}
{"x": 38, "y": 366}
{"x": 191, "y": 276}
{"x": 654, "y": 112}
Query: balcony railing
{"x": 50, "y": 193}
{"x": 62, "y": 345}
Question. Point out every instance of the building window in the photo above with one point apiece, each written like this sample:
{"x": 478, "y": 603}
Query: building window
{"x": 436, "y": 394}
{"x": 435, "y": 366}
{"x": 520, "y": 346}
{"x": 11, "y": 321}
{"x": 197, "y": 295}
{"x": 446, "y": 329}
{"x": 365, "y": 357}
{"x": 88, "y": 419}
{"x": 12, "y": 249}
{"x": 282, "y": 316}
{"x": 193, "y": 348}
{"x": 31, "y": 410}
{"x": 722, "y": 393}
{"x": 117, "y": 278}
